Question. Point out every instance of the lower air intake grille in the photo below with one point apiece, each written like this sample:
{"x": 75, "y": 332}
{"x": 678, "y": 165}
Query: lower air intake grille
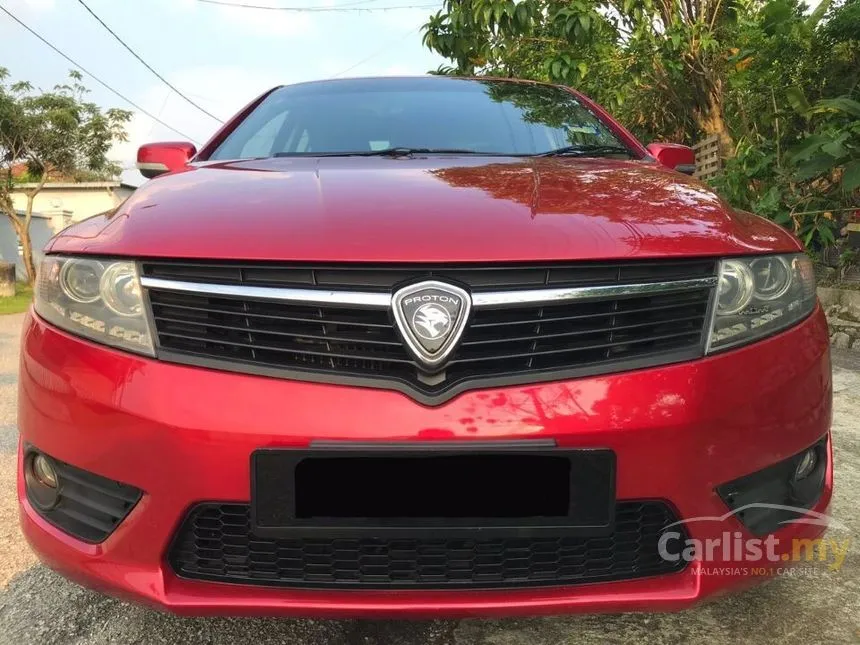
{"x": 215, "y": 543}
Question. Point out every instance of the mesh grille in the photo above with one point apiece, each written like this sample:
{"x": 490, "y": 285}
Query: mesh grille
{"x": 215, "y": 543}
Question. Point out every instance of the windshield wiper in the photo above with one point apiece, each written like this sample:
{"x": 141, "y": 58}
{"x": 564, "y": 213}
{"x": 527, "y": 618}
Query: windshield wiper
{"x": 583, "y": 150}
{"x": 403, "y": 151}
{"x": 387, "y": 152}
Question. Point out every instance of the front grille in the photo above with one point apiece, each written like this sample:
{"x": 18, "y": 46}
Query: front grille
{"x": 215, "y": 543}
{"x": 525, "y": 343}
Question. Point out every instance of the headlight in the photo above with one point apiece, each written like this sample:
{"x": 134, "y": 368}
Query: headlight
{"x": 759, "y": 296}
{"x": 98, "y": 299}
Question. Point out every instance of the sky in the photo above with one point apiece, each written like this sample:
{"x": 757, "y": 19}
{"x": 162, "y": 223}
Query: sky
{"x": 219, "y": 56}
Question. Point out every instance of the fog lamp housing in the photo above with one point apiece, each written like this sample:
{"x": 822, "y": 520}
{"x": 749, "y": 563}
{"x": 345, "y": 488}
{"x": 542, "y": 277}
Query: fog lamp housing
{"x": 768, "y": 499}
{"x": 82, "y": 504}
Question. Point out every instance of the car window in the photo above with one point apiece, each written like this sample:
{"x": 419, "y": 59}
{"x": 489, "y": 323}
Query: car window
{"x": 374, "y": 114}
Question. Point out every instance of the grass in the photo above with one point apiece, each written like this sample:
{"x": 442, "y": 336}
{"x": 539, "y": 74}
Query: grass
{"x": 17, "y": 303}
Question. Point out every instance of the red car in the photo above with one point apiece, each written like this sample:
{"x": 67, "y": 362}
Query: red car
{"x": 422, "y": 347}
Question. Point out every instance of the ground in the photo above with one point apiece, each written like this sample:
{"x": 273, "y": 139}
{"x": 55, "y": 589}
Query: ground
{"x": 39, "y": 607}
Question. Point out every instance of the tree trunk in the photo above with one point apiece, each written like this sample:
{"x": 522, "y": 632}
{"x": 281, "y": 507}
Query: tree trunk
{"x": 710, "y": 119}
{"x": 24, "y": 232}
{"x": 27, "y": 254}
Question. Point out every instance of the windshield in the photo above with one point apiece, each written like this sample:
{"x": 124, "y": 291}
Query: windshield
{"x": 433, "y": 113}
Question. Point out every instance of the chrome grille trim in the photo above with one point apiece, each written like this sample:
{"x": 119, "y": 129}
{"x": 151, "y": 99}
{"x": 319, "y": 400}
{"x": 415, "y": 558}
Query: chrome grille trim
{"x": 550, "y": 296}
{"x": 481, "y": 300}
{"x": 276, "y": 294}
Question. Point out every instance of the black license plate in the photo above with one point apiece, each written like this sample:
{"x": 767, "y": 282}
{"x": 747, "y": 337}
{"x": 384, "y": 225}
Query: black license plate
{"x": 448, "y": 489}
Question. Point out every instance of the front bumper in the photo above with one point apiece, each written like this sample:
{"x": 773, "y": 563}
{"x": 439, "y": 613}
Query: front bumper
{"x": 184, "y": 435}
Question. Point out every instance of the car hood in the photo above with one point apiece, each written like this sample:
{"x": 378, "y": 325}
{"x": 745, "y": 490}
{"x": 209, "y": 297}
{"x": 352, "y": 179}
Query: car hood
{"x": 424, "y": 209}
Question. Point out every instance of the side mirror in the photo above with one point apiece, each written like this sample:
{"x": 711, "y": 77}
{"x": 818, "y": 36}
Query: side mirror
{"x": 674, "y": 156}
{"x": 154, "y": 159}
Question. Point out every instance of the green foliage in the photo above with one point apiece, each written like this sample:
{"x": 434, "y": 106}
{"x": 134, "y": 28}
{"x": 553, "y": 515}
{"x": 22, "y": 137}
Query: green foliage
{"x": 56, "y": 132}
{"x": 655, "y": 63}
{"x": 794, "y": 106}
{"x": 832, "y": 151}
{"x": 810, "y": 186}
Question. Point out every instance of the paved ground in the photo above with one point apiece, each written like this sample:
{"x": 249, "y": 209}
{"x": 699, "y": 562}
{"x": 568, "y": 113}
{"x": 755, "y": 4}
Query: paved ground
{"x": 39, "y": 607}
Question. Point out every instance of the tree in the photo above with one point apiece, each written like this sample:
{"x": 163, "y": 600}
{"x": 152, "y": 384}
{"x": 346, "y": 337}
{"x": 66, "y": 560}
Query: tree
{"x": 663, "y": 62}
{"x": 56, "y": 134}
{"x": 794, "y": 106}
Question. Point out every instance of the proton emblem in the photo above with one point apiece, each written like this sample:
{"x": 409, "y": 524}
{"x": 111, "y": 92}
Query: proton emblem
{"x": 431, "y": 317}
{"x": 431, "y": 321}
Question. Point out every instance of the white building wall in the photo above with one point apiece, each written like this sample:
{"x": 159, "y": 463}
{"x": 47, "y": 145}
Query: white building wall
{"x": 76, "y": 201}
{"x": 40, "y": 233}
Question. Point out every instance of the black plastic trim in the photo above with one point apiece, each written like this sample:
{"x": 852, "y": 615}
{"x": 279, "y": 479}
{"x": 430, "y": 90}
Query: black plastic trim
{"x": 666, "y": 568}
{"x": 89, "y": 507}
{"x": 775, "y": 485}
{"x": 336, "y": 378}
{"x": 417, "y": 272}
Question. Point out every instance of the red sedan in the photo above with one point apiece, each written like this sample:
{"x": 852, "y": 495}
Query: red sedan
{"x": 423, "y": 347}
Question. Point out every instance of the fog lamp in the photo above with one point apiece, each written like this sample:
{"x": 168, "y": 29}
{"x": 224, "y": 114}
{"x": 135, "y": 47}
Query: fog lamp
{"x": 41, "y": 480}
{"x": 44, "y": 471}
{"x": 806, "y": 465}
